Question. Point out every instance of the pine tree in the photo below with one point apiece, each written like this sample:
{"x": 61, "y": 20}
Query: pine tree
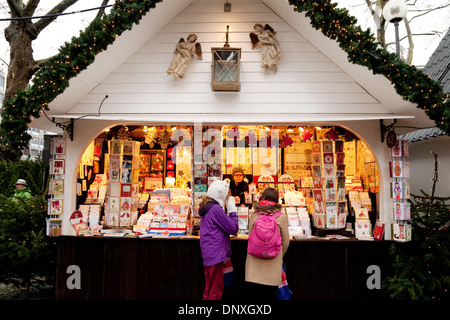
{"x": 27, "y": 255}
{"x": 422, "y": 266}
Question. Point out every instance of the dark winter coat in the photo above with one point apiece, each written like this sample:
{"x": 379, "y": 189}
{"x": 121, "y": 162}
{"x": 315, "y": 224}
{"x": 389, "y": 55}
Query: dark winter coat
{"x": 238, "y": 190}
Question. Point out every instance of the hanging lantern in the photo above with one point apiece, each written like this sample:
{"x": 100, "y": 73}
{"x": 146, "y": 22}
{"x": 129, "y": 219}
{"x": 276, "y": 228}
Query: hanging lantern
{"x": 225, "y": 68}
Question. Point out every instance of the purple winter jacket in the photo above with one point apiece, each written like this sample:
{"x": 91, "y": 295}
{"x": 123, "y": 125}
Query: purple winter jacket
{"x": 215, "y": 229}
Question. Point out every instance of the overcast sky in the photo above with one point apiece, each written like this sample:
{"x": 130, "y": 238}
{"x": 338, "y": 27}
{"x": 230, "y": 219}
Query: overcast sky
{"x": 67, "y": 26}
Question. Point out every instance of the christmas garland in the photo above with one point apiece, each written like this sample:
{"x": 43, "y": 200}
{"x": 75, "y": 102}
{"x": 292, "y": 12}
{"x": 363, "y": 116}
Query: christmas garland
{"x": 53, "y": 76}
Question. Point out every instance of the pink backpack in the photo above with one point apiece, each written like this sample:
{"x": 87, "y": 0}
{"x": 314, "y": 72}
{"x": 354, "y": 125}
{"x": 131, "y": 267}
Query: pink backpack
{"x": 265, "y": 239}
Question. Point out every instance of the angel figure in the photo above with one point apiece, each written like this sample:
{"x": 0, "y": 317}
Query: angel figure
{"x": 184, "y": 51}
{"x": 264, "y": 38}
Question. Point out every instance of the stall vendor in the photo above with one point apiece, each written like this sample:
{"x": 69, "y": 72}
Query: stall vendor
{"x": 238, "y": 186}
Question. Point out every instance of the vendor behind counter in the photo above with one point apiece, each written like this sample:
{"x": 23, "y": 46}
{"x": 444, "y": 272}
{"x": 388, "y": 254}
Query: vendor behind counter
{"x": 237, "y": 185}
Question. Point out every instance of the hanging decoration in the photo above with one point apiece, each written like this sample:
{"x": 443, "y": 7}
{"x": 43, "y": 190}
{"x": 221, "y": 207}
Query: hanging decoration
{"x": 286, "y": 140}
{"x": 165, "y": 139}
{"x": 150, "y": 136}
{"x": 123, "y": 133}
{"x": 53, "y": 76}
{"x": 306, "y": 134}
{"x": 332, "y": 134}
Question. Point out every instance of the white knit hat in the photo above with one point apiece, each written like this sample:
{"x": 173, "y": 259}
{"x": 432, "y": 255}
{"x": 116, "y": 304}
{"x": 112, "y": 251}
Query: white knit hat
{"x": 22, "y": 182}
{"x": 218, "y": 190}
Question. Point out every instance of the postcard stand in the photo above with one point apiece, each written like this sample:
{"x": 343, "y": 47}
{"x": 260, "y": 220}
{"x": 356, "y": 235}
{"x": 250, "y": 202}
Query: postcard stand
{"x": 400, "y": 192}
{"x": 56, "y": 186}
{"x": 121, "y": 210}
{"x": 328, "y": 171}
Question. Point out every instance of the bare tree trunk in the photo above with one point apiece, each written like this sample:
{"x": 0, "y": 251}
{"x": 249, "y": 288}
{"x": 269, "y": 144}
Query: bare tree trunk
{"x": 20, "y": 70}
{"x": 20, "y": 35}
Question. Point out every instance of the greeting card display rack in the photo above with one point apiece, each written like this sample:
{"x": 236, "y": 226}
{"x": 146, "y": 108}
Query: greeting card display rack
{"x": 56, "y": 186}
{"x": 328, "y": 172}
{"x": 121, "y": 209}
{"x": 400, "y": 192}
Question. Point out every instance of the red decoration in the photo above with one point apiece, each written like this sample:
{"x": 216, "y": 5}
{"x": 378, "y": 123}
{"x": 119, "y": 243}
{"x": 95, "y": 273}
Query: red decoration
{"x": 332, "y": 134}
{"x": 306, "y": 135}
{"x": 287, "y": 140}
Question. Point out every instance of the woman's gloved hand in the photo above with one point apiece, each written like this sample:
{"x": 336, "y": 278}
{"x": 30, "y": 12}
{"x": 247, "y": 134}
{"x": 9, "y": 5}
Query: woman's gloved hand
{"x": 231, "y": 205}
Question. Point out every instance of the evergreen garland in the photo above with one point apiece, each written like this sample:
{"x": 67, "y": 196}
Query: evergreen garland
{"x": 53, "y": 76}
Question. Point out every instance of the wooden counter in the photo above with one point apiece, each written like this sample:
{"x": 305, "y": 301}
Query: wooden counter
{"x": 171, "y": 268}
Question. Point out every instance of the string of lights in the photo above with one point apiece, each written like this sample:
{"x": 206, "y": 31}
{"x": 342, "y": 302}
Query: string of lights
{"x": 55, "y": 14}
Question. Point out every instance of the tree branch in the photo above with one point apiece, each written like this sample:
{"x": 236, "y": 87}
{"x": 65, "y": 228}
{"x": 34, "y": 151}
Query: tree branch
{"x": 16, "y": 10}
{"x": 59, "y": 8}
{"x": 102, "y": 10}
{"x": 429, "y": 10}
{"x": 30, "y": 7}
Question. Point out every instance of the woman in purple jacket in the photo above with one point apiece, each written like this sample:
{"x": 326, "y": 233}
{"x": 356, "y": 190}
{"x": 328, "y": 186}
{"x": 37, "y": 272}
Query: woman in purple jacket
{"x": 215, "y": 229}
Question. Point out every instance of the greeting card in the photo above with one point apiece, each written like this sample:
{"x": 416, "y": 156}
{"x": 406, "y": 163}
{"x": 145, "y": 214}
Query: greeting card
{"x": 332, "y": 219}
{"x": 114, "y": 175}
{"x": 401, "y": 211}
{"x": 328, "y": 170}
{"x": 58, "y": 166}
{"x": 339, "y": 146}
{"x": 317, "y": 171}
{"x": 114, "y": 204}
{"x": 400, "y": 190}
{"x": 328, "y": 158}
{"x": 115, "y": 161}
{"x": 327, "y": 146}
{"x": 378, "y": 230}
{"x": 56, "y": 206}
{"x": 400, "y": 150}
{"x": 361, "y": 214}
{"x": 57, "y": 186}
{"x": 59, "y": 146}
{"x": 125, "y": 190}
{"x": 362, "y": 228}
{"x": 127, "y": 146}
{"x": 316, "y": 159}
{"x": 341, "y": 194}
{"x": 330, "y": 194}
{"x": 340, "y": 158}
{"x": 330, "y": 183}
{"x": 316, "y": 148}
{"x": 399, "y": 169}
{"x": 342, "y": 217}
{"x": 115, "y": 147}
{"x": 318, "y": 196}
{"x": 317, "y": 182}
{"x": 318, "y": 207}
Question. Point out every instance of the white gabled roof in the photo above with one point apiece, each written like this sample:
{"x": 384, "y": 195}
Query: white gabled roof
{"x": 314, "y": 82}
